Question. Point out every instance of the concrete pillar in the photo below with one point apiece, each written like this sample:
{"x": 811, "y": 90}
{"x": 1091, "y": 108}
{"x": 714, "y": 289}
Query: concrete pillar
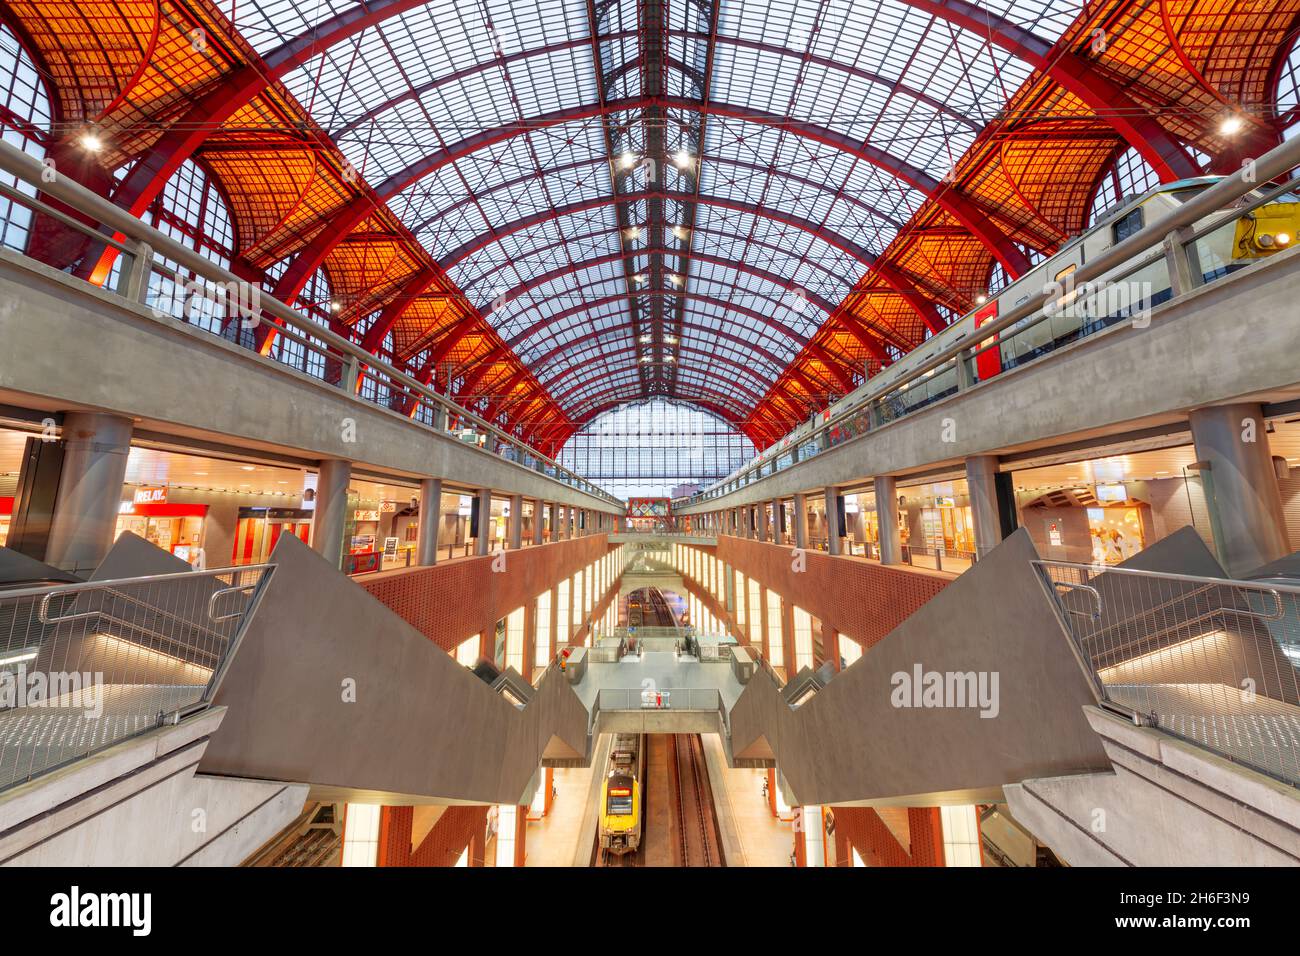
{"x": 331, "y": 510}
{"x": 539, "y": 514}
{"x": 891, "y": 550}
{"x": 981, "y": 480}
{"x": 762, "y": 521}
{"x": 478, "y": 844}
{"x": 95, "y": 450}
{"x": 776, "y": 520}
{"x": 426, "y": 543}
{"x": 555, "y": 521}
{"x": 833, "y": 539}
{"x": 800, "y": 518}
{"x": 787, "y": 638}
{"x": 515, "y": 530}
{"x": 483, "y": 541}
{"x": 568, "y": 522}
{"x": 831, "y": 645}
{"x": 1241, "y": 489}
{"x": 521, "y": 834}
{"x": 530, "y": 639}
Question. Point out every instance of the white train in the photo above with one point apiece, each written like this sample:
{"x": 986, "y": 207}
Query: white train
{"x": 1138, "y": 284}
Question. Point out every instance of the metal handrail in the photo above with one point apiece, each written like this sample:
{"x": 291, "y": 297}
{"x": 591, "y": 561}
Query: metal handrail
{"x": 1277, "y": 162}
{"x": 63, "y": 188}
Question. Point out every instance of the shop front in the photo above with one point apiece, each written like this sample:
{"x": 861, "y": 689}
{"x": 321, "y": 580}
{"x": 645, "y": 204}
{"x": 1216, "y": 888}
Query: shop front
{"x": 176, "y": 527}
{"x": 936, "y": 528}
{"x": 258, "y": 529}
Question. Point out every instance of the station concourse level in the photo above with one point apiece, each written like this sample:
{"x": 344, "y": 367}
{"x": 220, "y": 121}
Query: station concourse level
{"x": 734, "y": 433}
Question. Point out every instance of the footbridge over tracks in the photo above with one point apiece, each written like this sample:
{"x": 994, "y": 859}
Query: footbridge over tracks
{"x": 1046, "y": 692}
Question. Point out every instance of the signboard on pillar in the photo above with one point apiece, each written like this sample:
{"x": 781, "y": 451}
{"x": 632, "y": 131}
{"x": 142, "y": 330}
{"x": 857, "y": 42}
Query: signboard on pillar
{"x": 989, "y": 362}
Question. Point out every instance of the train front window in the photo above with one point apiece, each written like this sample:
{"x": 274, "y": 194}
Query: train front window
{"x": 619, "y": 802}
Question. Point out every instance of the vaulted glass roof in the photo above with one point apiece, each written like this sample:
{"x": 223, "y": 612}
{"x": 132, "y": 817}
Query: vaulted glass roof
{"x": 657, "y": 197}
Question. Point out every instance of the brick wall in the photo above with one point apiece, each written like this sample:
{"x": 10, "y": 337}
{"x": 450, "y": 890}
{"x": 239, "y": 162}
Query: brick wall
{"x": 450, "y": 602}
{"x": 877, "y": 845}
{"x": 855, "y": 597}
{"x": 444, "y": 843}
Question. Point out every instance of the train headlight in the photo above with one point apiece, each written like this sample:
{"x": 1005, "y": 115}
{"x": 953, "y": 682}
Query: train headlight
{"x": 1283, "y": 239}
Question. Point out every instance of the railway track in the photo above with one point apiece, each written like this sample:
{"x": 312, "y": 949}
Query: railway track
{"x": 697, "y": 840}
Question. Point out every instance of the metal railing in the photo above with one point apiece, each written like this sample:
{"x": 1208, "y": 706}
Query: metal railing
{"x": 663, "y": 699}
{"x": 84, "y": 666}
{"x": 1209, "y": 660}
{"x": 149, "y": 255}
{"x": 1170, "y": 257}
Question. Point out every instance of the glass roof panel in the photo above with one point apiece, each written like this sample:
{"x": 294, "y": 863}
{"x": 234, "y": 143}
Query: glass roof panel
{"x": 862, "y": 71}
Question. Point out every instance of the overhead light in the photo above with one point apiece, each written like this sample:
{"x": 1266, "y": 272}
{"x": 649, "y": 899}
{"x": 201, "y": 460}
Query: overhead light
{"x": 981, "y": 299}
{"x": 634, "y": 232}
{"x": 627, "y": 160}
{"x": 646, "y": 358}
{"x": 670, "y": 358}
{"x": 639, "y": 277}
{"x": 91, "y": 141}
{"x": 1231, "y": 125}
{"x": 682, "y": 158}
{"x": 645, "y": 339}
{"x": 334, "y": 306}
{"x": 670, "y": 339}
{"x": 248, "y": 468}
{"x": 681, "y": 232}
{"x": 675, "y": 279}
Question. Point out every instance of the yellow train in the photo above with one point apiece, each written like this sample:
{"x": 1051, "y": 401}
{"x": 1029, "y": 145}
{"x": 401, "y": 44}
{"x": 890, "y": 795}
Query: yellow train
{"x": 620, "y": 797}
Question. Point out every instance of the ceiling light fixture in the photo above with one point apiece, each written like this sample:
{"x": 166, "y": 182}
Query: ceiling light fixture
{"x": 91, "y": 141}
{"x": 682, "y": 159}
{"x": 1231, "y": 125}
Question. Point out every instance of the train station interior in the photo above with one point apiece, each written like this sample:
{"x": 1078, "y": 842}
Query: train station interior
{"x": 650, "y": 433}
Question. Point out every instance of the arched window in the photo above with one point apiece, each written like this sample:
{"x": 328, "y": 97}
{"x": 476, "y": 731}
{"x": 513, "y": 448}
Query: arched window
{"x": 192, "y": 211}
{"x": 656, "y": 449}
{"x": 25, "y": 123}
{"x": 1288, "y": 92}
{"x": 1130, "y": 175}
{"x": 314, "y": 302}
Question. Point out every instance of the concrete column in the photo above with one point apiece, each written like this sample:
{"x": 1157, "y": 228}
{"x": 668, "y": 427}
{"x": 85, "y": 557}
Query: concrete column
{"x": 555, "y": 521}
{"x": 891, "y": 550}
{"x": 833, "y": 539}
{"x": 515, "y": 530}
{"x": 762, "y": 521}
{"x": 831, "y": 645}
{"x": 483, "y": 541}
{"x": 95, "y": 450}
{"x": 981, "y": 480}
{"x": 331, "y": 510}
{"x": 539, "y": 514}
{"x": 478, "y": 845}
{"x": 800, "y": 518}
{"x": 568, "y": 523}
{"x": 430, "y": 520}
{"x": 787, "y": 638}
{"x": 776, "y": 520}
{"x": 1241, "y": 489}
{"x": 530, "y": 639}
